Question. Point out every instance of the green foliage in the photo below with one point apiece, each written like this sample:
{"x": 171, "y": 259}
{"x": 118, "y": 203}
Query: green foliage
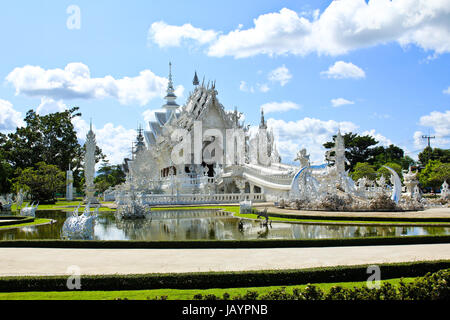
{"x": 50, "y": 138}
{"x": 442, "y": 155}
{"x": 387, "y": 174}
{"x": 363, "y": 149}
{"x": 432, "y": 286}
{"x": 108, "y": 176}
{"x": 42, "y": 183}
{"x": 363, "y": 169}
{"x": 434, "y": 174}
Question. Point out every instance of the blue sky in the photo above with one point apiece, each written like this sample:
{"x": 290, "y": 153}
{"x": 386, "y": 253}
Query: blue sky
{"x": 369, "y": 67}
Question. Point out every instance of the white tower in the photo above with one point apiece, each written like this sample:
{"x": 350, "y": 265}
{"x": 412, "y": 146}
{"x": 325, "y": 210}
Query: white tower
{"x": 89, "y": 167}
{"x": 171, "y": 106}
{"x": 69, "y": 185}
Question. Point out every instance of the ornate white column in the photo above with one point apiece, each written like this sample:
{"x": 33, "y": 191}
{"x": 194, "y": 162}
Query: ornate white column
{"x": 89, "y": 167}
{"x": 69, "y": 185}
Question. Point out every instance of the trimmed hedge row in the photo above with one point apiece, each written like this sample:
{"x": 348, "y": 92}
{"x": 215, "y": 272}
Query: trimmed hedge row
{"x": 16, "y": 220}
{"x": 207, "y": 244}
{"x": 205, "y": 280}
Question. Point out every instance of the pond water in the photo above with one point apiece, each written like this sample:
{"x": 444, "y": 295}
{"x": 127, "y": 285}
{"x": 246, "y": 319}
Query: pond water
{"x": 207, "y": 225}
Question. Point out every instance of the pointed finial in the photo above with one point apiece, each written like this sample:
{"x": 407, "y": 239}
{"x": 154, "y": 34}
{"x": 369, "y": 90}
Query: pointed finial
{"x": 90, "y": 125}
{"x": 195, "y": 81}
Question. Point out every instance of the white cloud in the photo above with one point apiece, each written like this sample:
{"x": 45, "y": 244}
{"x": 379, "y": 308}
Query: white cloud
{"x": 243, "y": 86}
{"x": 446, "y": 91}
{"x": 309, "y": 133}
{"x": 281, "y": 75}
{"x": 10, "y": 118}
{"x": 115, "y": 141}
{"x": 165, "y": 35}
{"x": 382, "y": 140}
{"x": 440, "y": 123}
{"x": 340, "y": 102}
{"x": 263, "y": 87}
{"x": 343, "y": 26}
{"x": 342, "y": 70}
{"x": 149, "y": 115}
{"x": 49, "y": 105}
{"x": 284, "y": 106}
{"x": 75, "y": 82}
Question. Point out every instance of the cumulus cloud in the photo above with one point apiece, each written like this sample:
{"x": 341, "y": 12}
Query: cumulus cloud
{"x": 343, "y": 26}
{"x": 263, "y": 87}
{"x": 115, "y": 141}
{"x": 309, "y": 133}
{"x": 382, "y": 140}
{"x": 440, "y": 123}
{"x": 342, "y": 70}
{"x": 149, "y": 115}
{"x": 49, "y": 105}
{"x": 75, "y": 82}
{"x": 340, "y": 102}
{"x": 284, "y": 106}
{"x": 165, "y": 35}
{"x": 10, "y": 118}
{"x": 280, "y": 75}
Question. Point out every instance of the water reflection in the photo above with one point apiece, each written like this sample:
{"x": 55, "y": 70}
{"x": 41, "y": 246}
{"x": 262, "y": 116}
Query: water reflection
{"x": 207, "y": 225}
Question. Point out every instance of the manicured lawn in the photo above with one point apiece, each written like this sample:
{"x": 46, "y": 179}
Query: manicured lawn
{"x": 36, "y": 221}
{"x": 172, "y": 294}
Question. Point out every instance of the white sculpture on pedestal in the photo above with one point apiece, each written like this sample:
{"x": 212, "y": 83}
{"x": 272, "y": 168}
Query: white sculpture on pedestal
{"x": 80, "y": 227}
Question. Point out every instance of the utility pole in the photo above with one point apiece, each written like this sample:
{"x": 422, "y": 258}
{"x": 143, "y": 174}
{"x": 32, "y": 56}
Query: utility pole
{"x": 428, "y": 138}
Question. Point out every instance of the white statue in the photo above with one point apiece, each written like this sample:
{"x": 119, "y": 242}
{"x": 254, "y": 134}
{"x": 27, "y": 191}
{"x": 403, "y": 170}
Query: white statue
{"x": 80, "y": 227}
{"x": 29, "y": 211}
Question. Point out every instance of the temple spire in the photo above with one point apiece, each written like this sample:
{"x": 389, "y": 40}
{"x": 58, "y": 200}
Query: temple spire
{"x": 170, "y": 105}
{"x": 195, "y": 81}
{"x": 262, "y": 125}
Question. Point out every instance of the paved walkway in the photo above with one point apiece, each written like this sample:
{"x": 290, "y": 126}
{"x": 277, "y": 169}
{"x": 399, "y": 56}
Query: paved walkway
{"x": 40, "y": 261}
{"x": 429, "y": 213}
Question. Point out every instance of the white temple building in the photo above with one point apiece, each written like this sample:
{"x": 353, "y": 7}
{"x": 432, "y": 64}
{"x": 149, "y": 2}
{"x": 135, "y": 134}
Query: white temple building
{"x": 220, "y": 159}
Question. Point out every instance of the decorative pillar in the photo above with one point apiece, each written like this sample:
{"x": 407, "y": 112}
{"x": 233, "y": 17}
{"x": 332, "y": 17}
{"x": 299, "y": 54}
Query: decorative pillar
{"x": 69, "y": 185}
{"x": 89, "y": 167}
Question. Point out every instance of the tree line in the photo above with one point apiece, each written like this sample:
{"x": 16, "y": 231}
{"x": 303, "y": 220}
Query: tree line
{"x": 366, "y": 159}
{"x": 35, "y": 158}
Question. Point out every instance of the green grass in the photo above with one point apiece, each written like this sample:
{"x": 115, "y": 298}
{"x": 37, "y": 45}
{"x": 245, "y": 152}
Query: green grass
{"x": 62, "y": 205}
{"x": 36, "y": 221}
{"x": 172, "y": 294}
{"x": 235, "y": 211}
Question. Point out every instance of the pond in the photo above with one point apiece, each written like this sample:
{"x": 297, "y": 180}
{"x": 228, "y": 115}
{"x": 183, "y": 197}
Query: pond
{"x": 208, "y": 225}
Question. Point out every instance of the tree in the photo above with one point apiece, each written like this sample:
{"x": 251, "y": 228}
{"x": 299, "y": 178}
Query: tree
{"x": 357, "y": 147}
{"x": 442, "y": 155}
{"x": 434, "y": 174}
{"x": 42, "y": 182}
{"x": 109, "y": 176}
{"x": 363, "y": 169}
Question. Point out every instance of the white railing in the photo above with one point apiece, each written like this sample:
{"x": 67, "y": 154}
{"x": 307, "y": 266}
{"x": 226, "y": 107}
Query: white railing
{"x": 163, "y": 199}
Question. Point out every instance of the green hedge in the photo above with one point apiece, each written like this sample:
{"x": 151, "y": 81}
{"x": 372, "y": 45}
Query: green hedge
{"x": 16, "y": 220}
{"x": 204, "y": 280}
{"x": 203, "y": 244}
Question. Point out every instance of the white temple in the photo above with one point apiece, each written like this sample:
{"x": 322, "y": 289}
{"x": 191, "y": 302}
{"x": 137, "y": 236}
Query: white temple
{"x": 202, "y": 149}
{"x": 201, "y": 153}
